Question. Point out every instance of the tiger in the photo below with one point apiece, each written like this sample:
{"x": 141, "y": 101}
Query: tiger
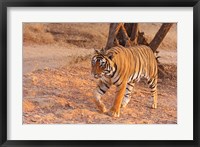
{"x": 123, "y": 67}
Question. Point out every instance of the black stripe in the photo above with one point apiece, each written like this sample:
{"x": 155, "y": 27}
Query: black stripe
{"x": 106, "y": 85}
{"x": 130, "y": 84}
{"x": 116, "y": 81}
{"x": 133, "y": 80}
{"x": 114, "y": 71}
{"x": 128, "y": 89}
{"x": 107, "y": 70}
{"x": 152, "y": 86}
{"x": 119, "y": 84}
{"x": 153, "y": 90}
{"x": 151, "y": 81}
{"x": 140, "y": 64}
{"x": 132, "y": 77}
{"x": 137, "y": 76}
{"x": 107, "y": 65}
{"x": 101, "y": 89}
{"x": 127, "y": 95}
{"x": 116, "y": 51}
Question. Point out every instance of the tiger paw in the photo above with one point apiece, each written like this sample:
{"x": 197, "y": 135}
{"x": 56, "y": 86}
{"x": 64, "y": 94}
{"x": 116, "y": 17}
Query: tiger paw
{"x": 154, "y": 106}
{"x": 114, "y": 113}
{"x": 101, "y": 107}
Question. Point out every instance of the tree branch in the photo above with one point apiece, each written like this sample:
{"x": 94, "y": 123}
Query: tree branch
{"x": 160, "y": 35}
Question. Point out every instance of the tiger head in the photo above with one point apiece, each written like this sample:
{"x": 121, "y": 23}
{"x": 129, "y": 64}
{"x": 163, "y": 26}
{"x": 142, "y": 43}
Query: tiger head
{"x": 102, "y": 64}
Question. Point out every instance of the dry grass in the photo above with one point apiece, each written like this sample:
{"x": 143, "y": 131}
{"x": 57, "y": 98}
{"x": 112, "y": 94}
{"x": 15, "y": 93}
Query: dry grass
{"x": 86, "y": 35}
{"x": 37, "y": 33}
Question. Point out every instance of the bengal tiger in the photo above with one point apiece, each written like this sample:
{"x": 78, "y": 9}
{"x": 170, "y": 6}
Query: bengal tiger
{"x": 123, "y": 67}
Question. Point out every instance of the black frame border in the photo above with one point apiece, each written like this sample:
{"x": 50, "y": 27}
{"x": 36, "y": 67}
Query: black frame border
{"x": 98, "y": 3}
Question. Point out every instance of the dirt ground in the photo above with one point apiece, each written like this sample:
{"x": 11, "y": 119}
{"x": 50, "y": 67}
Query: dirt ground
{"x": 58, "y": 86}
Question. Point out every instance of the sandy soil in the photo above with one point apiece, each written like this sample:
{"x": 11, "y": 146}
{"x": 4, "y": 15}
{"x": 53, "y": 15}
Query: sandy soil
{"x": 58, "y": 87}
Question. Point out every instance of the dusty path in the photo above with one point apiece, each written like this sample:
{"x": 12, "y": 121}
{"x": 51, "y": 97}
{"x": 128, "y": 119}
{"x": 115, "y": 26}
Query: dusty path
{"x": 51, "y": 56}
{"x": 65, "y": 95}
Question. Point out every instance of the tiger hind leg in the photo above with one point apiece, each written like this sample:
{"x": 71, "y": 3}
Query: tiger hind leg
{"x": 127, "y": 95}
{"x": 153, "y": 86}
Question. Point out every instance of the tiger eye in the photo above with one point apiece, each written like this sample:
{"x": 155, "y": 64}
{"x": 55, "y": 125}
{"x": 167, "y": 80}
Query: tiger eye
{"x": 103, "y": 65}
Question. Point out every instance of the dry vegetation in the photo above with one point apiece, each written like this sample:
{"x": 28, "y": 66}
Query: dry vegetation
{"x": 82, "y": 35}
{"x": 58, "y": 87}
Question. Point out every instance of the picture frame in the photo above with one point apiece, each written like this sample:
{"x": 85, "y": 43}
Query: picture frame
{"x": 195, "y": 4}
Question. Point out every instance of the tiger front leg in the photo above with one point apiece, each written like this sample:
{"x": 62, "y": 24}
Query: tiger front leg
{"x": 100, "y": 90}
{"x": 99, "y": 103}
{"x": 115, "y": 110}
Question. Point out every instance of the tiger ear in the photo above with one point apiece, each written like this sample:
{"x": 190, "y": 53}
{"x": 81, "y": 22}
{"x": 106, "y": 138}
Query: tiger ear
{"x": 110, "y": 55}
{"x": 101, "y": 51}
{"x": 97, "y": 51}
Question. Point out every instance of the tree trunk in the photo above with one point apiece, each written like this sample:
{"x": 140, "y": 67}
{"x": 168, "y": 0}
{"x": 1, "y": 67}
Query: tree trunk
{"x": 160, "y": 35}
{"x": 128, "y": 34}
{"x": 125, "y": 36}
{"x": 134, "y": 34}
{"x": 129, "y": 27}
{"x": 113, "y": 30}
